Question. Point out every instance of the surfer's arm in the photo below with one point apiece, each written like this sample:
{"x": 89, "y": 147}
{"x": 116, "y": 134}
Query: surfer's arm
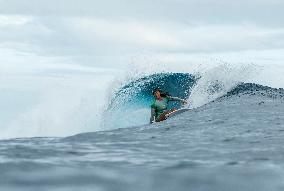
{"x": 177, "y": 99}
{"x": 152, "y": 119}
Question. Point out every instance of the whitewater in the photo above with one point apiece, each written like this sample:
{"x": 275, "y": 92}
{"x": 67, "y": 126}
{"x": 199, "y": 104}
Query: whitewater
{"x": 231, "y": 139}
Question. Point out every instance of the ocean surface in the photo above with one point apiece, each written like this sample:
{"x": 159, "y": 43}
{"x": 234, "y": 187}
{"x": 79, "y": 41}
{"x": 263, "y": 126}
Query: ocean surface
{"x": 231, "y": 142}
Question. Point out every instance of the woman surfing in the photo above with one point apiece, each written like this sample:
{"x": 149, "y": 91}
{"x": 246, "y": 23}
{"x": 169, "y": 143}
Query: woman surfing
{"x": 159, "y": 108}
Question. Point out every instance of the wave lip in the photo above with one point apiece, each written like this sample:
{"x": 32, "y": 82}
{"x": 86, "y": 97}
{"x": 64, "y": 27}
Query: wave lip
{"x": 130, "y": 105}
{"x": 177, "y": 84}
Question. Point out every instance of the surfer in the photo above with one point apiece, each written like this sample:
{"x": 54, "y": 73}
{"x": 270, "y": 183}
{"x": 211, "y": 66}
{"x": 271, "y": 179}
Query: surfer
{"x": 159, "y": 108}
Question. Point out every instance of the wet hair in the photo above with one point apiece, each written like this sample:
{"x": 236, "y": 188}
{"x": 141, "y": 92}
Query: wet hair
{"x": 163, "y": 94}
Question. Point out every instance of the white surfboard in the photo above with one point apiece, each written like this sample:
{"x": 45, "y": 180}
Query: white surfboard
{"x": 176, "y": 112}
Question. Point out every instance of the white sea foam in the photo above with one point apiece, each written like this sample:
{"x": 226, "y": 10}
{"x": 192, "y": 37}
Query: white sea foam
{"x": 217, "y": 81}
{"x": 60, "y": 99}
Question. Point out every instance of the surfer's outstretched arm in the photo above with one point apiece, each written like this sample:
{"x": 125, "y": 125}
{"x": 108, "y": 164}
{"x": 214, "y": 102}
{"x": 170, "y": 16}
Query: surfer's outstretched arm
{"x": 177, "y": 99}
{"x": 152, "y": 119}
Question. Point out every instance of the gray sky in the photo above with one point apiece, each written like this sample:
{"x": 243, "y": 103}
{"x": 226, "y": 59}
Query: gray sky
{"x": 109, "y": 33}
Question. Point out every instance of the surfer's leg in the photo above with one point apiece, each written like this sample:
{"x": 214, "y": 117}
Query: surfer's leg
{"x": 163, "y": 116}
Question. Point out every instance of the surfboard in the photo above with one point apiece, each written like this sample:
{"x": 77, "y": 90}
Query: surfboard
{"x": 176, "y": 112}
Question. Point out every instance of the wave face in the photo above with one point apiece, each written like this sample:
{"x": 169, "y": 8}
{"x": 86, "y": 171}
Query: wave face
{"x": 130, "y": 105}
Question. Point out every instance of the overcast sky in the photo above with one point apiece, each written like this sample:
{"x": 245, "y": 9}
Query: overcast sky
{"x": 110, "y": 33}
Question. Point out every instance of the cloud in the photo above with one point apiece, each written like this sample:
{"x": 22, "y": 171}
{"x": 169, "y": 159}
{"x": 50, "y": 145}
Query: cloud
{"x": 109, "y": 33}
{"x": 224, "y": 38}
{"x": 116, "y": 36}
{"x": 264, "y": 12}
{"x": 29, "y": 64}
{"x": 14, "y": 20}
{"x": 123, "y": 31}
{"x": 113, "y": 42}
